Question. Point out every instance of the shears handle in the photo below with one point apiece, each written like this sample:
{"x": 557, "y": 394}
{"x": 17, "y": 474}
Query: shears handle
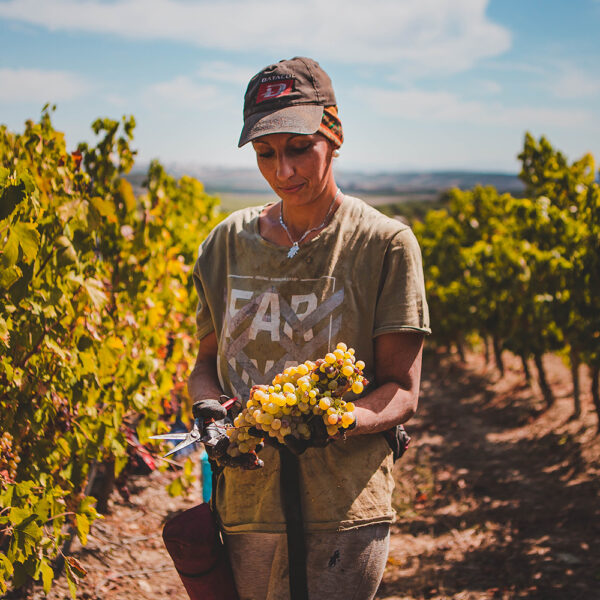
{"x": 227, "y": 403}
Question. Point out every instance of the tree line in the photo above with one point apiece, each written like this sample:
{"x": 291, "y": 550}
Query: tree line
{"x": 521, "y": 274}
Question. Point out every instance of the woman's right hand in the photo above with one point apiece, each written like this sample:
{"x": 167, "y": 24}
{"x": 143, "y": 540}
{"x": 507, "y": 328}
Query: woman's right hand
{"x": 215, "y": 418}
{"x": 209, "y": 408}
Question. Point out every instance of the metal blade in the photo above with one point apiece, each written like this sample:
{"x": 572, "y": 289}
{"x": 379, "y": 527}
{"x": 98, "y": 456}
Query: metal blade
{"x": 169, "y": 436}
{"x": 182, "y": 445}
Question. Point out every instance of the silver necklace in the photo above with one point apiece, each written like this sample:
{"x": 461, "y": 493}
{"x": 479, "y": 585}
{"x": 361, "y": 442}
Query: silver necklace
{"x": 296, "y": 244}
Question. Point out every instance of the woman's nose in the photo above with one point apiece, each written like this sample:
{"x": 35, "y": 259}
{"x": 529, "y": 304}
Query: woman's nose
{"x": 285, "y": 168}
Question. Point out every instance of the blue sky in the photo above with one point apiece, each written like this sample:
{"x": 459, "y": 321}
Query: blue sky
{"x": 421, "y": 85}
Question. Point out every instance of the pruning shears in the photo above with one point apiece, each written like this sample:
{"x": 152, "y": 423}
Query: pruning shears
{"x": 206, "y": 431}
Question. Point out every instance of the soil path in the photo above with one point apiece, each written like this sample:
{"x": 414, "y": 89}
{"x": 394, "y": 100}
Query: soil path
{"x": 497, "y": 498}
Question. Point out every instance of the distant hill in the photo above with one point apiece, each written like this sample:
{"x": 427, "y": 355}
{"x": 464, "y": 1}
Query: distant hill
{"x": 245, "y": 186}
{"x": 426, "y": 182}
{"x": 251, "y": 181}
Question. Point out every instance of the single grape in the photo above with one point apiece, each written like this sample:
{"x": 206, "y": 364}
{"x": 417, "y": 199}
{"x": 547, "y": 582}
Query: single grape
{"x": 303, "y": 369}
{"x": 347, "y": 370}
{"x": 339, "y": 354}
{"x": 324, "y": 403}
{"x": 347, "y": 419}
{"x": 259, "y": 396}
{"x": 357, "y": 387}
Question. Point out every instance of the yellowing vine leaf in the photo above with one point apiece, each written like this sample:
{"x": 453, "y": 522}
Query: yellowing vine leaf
{"x": 95, "y": 291}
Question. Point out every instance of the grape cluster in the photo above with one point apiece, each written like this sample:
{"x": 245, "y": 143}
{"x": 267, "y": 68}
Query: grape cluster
{"x": 9, "y": 461}
{"x": 297, "y": 398}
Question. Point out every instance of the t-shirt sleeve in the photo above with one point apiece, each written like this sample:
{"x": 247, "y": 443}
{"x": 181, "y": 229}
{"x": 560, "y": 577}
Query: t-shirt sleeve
{"x": 401, "y": 303}
{"x": 204, "y": 320}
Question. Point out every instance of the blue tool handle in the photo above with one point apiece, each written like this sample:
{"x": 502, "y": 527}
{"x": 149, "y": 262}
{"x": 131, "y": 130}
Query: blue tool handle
{"x": 206, "y": 472}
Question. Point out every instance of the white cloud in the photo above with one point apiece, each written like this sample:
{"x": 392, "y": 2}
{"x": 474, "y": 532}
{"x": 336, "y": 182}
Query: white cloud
{"x": 571, "y": 82}
{"x": 218, "y": 70}
{"x": 488, "y": 86}
{"x": 512, "y": 66}
{"x": 448, "y": 107}
{"x": 561, "y": 78}
{"x": 40, "y": 86}
{"x": 184, "y": 92}
{"x": 424, "y": 36}
{"x": 116, "y": 100}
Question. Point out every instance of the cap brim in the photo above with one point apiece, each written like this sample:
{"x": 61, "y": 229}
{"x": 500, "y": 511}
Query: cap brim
{"x": 304, "y": 119}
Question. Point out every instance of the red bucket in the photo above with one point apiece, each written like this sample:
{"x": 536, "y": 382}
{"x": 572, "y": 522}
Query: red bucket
{"x": 192, "y": 539}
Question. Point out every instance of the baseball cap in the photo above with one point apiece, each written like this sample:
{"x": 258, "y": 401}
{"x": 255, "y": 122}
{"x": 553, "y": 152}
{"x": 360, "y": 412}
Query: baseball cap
{"x": 286, "y": 97}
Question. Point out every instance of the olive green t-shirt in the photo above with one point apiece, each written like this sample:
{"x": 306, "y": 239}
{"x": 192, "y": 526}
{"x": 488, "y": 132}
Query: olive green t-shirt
{"x": 360, "y": 277}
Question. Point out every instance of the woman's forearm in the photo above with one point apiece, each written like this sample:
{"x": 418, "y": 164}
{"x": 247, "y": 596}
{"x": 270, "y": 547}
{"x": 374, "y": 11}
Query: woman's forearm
{"x": 203, "y": 382}
{"x": 398, "y": 368}
{"x": 384, "y": 408}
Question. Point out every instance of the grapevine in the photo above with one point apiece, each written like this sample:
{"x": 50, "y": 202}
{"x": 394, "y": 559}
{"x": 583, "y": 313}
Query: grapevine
{"x": 96, "y": 326}
{"x": 521, "y": 273}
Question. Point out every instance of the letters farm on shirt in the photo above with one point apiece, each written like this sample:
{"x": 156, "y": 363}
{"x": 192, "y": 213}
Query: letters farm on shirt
{"x": 270, "y": 324}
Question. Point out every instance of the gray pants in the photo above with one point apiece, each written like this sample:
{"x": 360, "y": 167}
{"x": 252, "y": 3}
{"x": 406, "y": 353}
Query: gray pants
{"x": 345, "y": 565}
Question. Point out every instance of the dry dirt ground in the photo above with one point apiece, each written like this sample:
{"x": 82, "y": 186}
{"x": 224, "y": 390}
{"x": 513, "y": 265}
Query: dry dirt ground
{"x": 497, "y": 498}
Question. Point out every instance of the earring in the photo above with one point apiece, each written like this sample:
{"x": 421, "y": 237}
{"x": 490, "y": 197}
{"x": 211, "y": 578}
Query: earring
{"x": 336, "y": 153}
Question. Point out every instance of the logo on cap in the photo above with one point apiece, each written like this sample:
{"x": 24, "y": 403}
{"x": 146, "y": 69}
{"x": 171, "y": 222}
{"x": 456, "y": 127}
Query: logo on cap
{"x": 276, "y": 89}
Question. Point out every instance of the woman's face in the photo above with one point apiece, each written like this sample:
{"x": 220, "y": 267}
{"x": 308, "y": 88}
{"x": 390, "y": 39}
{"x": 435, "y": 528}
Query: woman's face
{"x": 297, "y": 167}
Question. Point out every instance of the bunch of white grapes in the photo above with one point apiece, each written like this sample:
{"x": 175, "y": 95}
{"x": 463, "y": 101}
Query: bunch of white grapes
{"x": 312, "y": 390}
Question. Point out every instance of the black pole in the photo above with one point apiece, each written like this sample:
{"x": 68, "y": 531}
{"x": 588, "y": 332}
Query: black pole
{"x": 292, "y": 508}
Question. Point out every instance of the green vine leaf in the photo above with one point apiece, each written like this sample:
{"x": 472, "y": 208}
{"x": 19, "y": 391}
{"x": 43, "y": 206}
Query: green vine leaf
{"x": 47, "y": 575}
{"x": 29, "y": 239}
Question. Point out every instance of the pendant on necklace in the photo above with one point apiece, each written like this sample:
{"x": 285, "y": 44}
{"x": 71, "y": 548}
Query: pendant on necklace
{"x": 293, "y": 250}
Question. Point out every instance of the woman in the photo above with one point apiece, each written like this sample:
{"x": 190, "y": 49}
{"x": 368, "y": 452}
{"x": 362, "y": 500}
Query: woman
{"x": 284, "y": 283}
